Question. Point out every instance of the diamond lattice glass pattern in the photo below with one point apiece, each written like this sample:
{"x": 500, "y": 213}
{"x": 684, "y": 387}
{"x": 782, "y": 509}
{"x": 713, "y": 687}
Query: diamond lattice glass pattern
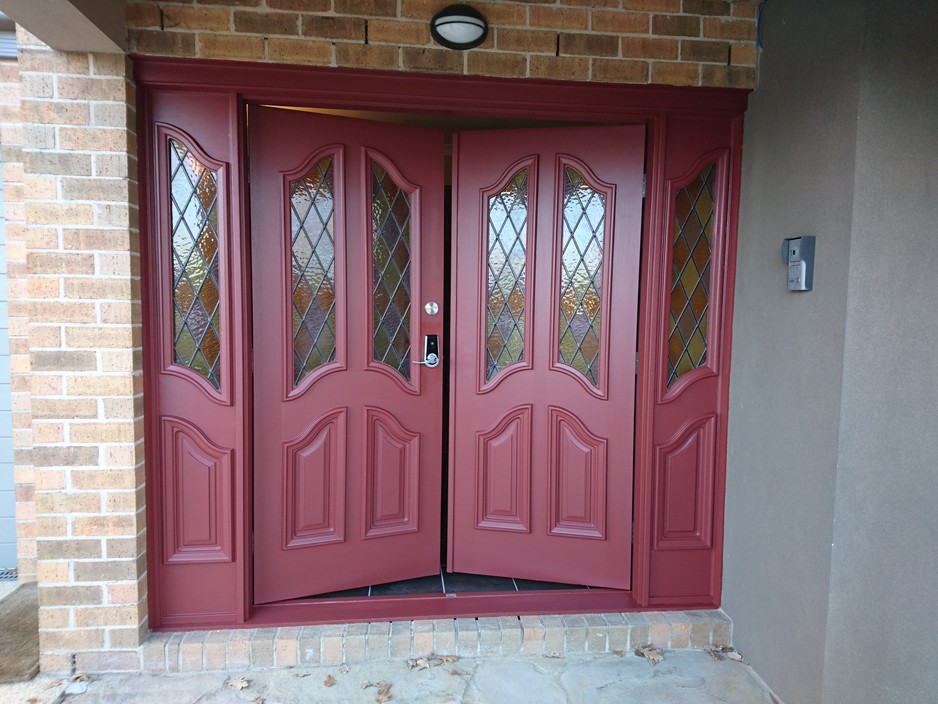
{"x": 690, "y": 275}
{"x": 312, "y": 205}
{"x": 584, "y": 216}
{"x": 390, "y": 222}
{"x": 507, "y": 259}
{"x": 194, "y": 217}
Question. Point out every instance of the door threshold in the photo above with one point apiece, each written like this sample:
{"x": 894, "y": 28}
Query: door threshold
{"x": 408, "y": 607}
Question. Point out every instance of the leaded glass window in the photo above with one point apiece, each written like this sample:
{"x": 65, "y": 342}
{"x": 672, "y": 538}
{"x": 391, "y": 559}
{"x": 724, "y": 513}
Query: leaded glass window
{"x": 690, "y": 274}
{"x": 193, "y": 194}
{"x": 507, "y": 261}
{"x": 312, "y": 209}
{"x": 584, "y": 217}
{"x": 390, "y": 223}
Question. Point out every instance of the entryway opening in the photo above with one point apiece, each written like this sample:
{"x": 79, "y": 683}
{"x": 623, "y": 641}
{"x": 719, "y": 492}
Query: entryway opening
{"x": 579, "y": 335}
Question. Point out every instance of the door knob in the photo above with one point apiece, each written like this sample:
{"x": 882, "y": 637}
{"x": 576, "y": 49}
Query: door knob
{"x": 431, "y": 351}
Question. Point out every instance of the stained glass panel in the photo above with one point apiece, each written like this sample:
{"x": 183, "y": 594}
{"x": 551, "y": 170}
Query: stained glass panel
{"x": 507, "y": 260}
{"x": 390, "y": 229}
{"x": 312, "y": 206}
{"x": 584, "y": 216}
{"x": 690, "y": 275}
{"x": 193, "y": 195}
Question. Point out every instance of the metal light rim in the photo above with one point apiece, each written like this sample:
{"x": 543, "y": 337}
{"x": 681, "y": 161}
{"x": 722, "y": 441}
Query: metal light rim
{"x": 462, "y": 15}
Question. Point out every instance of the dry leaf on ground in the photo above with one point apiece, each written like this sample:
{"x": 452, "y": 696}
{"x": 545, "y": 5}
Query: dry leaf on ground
{"x": 384, "y": 690}
{"x": 329, "y": 681}
{"x": 447, "y": 659}
{"x": 81, "y": 678}
{"x": 651, "y": 654}
{"x": 619, "y": 653}
{"x": 237, "y": 682}
{"x": 53, "y": 683}
{"x": 260, "y": 700}
{"x": 733, "y": 655}
{"x": 419, "y": 664}
{"x": 302, "y": 674}
{"x": 714, "y": 653}
{"x": 456, "y": 672}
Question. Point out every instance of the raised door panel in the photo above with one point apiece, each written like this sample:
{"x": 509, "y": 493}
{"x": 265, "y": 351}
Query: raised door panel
{"x": 503, "y": 489}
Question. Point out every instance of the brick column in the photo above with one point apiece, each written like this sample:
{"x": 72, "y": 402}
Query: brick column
{"x": 11, "y": 144}
{"x": 84, "y": 342}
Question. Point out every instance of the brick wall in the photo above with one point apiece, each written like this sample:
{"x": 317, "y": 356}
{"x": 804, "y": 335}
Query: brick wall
{"x": 82, "y": 353}
{"x": 11, "y": 144}
{"x": 674, "y": 42}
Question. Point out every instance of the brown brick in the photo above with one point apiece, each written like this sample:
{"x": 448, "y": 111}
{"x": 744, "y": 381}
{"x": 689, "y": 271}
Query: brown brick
{"x": 675, "y": 74}
{"x": 122, "y": 385}
{"x": 101, "y": 479}
{"x": 526, "y": 40}
{"x": 366, "y": 8}
{"x": 97, "y": 240}
{"x": 561, "y": 68}
{"x": 620, "y": 71}
{"x": 57, "y": 214}
{"x": 720, "y": 28}
{"x": 719, "y": 8}
{"x": 192, "y": 19}
{"x": 728, "y": 76}
{"x": 71, "y": 640}
{"x": 589, "y": 44}
{"x": 111, "y": 115}
{"x": 230, "y": 46}
{"x": 104, "y": 615}
{"x": 398, "y": 32}
{"x": 145, "y": 41}
{"x": 90, "y": 88}
{"x": 746, "y": 8}
{"x": 64, "y": 408}
{"x": 287, "y": 24}
{"x": 640, "y": 48}
{"x": 301, "y": 5}
{"x": 55, "y": 112}
{"x": 54, "y": 62}
{"x": 558, "y": 17}
{"x": 652, "y": 5}
{"x": 93, "y": 140}
{"x": 139, "y": 14}
{"x": 675, "y": 26}
{"x": 334, "y": 27}
{"x": 105, "y": 571}
{"x": 52, "y": 618}
{"x": 743, "y": 54}
{"x": 620, "y": 22}
{"x": 705, "y": 52}
{"x": 69, "y": 549}
{"x": 230, "y": 3}
{"x": 432, "y": 60}
{"x": 498, "y": 14}
{"x": 497, "y": 64}
{"x": 56, "y": 263}
{"x": 60, "y": 360}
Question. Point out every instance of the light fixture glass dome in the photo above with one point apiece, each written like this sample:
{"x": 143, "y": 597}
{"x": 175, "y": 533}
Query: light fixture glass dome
{"x": 459, "y": 27}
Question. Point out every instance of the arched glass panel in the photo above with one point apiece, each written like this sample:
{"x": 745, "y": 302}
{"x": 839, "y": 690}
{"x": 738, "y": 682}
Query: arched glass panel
{"x": 193, "y": 195}
{"x": 312, "y": 209}
{"x": 584, "y": 218}
{"x": 690, "y": 274}
{"x": 390, "y": 223}
{"x": 507, "y": 262}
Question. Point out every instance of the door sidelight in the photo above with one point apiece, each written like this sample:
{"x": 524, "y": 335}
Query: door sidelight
{"x": 431, "y": 351}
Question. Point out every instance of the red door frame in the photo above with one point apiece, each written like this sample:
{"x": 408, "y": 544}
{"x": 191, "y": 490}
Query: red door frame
{"x": 171, "y": 90}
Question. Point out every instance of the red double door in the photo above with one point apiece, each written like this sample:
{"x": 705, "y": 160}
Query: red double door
{"x": 349, "y": 306}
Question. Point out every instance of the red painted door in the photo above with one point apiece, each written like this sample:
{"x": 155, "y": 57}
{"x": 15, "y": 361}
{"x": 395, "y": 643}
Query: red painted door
{"x": 545, "y": 266}
{"x": 346, "y": 249}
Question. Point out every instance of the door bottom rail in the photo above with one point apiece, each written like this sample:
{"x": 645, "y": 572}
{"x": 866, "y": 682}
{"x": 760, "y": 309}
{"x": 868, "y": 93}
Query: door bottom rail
{"x": 298, "y": 646}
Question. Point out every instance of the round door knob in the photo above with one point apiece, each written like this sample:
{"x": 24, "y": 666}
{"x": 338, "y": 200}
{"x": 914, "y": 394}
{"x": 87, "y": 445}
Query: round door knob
{"x": 432, "y": 307}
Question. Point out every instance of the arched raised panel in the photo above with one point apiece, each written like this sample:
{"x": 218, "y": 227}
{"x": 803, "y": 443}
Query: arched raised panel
{"x": 314, "y": 476}
{"x": 392, "y": 476}
{"x": 577, "y": 478}
{"x": 197, "y": 519}
{"x": 683, "y": 480}
{"x": 503, "y": 468}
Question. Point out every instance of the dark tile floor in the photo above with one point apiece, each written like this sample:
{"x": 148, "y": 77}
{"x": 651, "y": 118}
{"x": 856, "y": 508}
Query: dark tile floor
{"x": 450, "y": 583}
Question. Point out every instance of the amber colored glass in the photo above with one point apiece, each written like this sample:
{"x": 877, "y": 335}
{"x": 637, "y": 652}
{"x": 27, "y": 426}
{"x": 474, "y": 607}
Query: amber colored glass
{"x": 193, "y": 195}
{"x": 690, "y": 274}
{"x": 507, "y": 262}
{"x": 390, "y": 223}
{"x": 584, "y": 216}
{"x": 312, "y": 210}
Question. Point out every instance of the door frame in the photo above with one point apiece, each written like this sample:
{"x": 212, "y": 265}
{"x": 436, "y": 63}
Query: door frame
{"x": 673, "y": 118}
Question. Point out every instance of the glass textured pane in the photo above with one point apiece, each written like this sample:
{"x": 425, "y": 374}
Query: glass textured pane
{"x": 194, "y": 219}
{"x": 690, "y": 275}
{"x": 312, "y": 205}
{"x": 584, "y": 216}
{"x": 390, "y": 230}
{"x": 507, "y": 260}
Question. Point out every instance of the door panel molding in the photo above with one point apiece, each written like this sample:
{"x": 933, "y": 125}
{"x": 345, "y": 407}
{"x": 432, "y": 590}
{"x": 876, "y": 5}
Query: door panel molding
{"x": 392, "y": 478}
{"x": 577, "y": 486}
{"x": 503, "y": 490}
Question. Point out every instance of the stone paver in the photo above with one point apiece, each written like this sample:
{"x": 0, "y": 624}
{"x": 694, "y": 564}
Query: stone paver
{"x": 684, "y": 677}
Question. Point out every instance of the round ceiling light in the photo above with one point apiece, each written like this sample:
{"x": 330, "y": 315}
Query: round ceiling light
{"x": 459, "y": 27}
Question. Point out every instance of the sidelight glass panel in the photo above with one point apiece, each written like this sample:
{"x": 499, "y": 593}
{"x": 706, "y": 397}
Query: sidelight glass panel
{"x": 507, "y": 260}
{"x": 584, "y": 216}
{"x": 312, "y": 209}
{"x": 690, "y": 274}
{"x": 390, "y": 229}
{"x": 193, "y": 196}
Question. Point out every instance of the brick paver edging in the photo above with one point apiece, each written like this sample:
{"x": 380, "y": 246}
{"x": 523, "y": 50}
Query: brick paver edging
{"x": 260, "y": 648}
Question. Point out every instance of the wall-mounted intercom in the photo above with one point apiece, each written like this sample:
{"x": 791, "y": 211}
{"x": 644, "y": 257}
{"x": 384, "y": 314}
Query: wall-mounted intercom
{"x": 798, "y": 254}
